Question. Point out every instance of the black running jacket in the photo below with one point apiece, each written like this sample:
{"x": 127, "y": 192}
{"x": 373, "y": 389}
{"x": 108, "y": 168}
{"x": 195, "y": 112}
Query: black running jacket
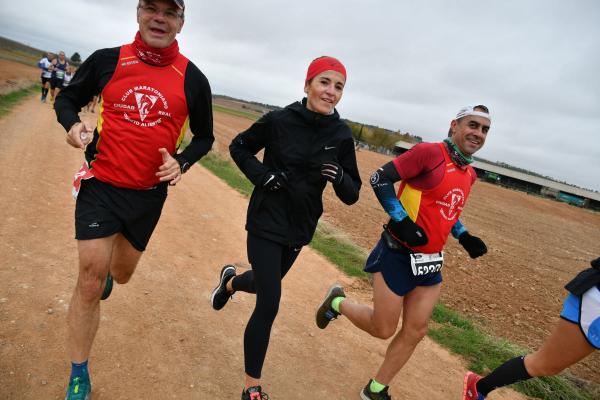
{"x": 296, "y": 141}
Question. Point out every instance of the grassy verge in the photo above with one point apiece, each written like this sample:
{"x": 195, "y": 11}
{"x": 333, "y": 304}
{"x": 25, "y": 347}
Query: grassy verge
{"x": 450, "y": 329}
{"x": 485, "y": 353}
{"x": 8, "y": 101}
{"x": 237, "y": 113}
{"x": 340, "y": 251}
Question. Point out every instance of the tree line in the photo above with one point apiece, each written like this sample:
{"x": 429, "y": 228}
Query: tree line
{"x": 378, "y": 137}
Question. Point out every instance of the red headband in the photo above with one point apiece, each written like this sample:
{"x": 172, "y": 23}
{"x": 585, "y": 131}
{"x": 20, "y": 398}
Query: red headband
{"x": 322, "y": 64}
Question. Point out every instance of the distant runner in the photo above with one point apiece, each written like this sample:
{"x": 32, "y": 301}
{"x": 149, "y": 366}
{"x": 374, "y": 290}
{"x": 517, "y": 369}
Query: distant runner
{"x": 68, "y": 76}
{"x": 406, "y": 263}
{"x": 45, "y": 65}
{"x": 58, "y": 76}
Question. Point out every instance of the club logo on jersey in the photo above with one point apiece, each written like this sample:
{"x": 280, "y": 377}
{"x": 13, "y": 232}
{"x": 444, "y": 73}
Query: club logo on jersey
{"x": 144, "y": 106}
{"x": 145, "y": 102}
{"x": 452, "y": 204}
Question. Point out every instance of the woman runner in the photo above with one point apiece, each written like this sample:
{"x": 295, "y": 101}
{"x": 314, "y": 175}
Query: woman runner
{"x": 306, "y": 145}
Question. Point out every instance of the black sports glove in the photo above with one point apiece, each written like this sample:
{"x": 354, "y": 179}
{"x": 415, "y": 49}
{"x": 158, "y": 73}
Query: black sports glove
{"x": 406, "y": 231}
{"x": 596, "y": 263}
{"x": 274, "y": 180}
{"x": 333, "y": 172}
{"x": 472, "y": 244}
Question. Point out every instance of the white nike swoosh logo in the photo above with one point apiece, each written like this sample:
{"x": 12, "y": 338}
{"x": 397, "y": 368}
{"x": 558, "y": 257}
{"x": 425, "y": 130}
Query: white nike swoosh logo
{"x": 329, "y": 148}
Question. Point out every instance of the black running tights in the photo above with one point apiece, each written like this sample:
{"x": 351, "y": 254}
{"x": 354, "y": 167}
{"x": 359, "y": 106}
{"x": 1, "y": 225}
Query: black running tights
{"x": 270, "y": 262}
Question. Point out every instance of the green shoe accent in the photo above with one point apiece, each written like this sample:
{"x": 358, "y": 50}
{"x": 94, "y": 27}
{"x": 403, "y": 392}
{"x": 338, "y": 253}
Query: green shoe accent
{"x": 376, "y": 387}
{"x": 335, "y": 303}
{"x": 107, "y": 287}
{"x": 79, "y": 389}
{"x": 325, "y": 313}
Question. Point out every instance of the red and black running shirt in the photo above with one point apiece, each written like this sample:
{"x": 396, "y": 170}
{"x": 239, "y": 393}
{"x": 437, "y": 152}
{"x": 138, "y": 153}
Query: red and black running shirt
{"x": 433, "y": 191}
{"x": 142, "y": 108}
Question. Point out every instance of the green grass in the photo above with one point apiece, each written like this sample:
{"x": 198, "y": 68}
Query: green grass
{"x": 228, "y": 172}
{"x": 237, "y": 113}
{"x": 8, "y": 101}
{"x": 450, "y": 329}
{"x": 484, "y": 353}
{"x": 340, "y": 251}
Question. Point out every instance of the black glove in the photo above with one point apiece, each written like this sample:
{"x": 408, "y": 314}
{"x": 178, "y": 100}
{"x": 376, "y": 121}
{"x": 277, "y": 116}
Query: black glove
{"x": 274, "y": 180}
{"x": 596, "y": 263}
{"x": 333, "y": 172}
{"x": 472, "y": 244}
{"x": 406, "y": 231}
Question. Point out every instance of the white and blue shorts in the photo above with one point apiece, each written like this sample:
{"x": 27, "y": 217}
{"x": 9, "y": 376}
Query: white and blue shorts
{"x": 585, "y": 312}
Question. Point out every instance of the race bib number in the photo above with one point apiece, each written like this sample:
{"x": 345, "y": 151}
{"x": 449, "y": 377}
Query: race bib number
{"x": 425, "y": 264}
{"x": 81, "y": 175}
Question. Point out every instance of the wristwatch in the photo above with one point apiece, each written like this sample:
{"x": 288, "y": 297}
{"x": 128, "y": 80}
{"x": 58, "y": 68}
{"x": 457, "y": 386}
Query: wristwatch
{"x": 184, "y": 165}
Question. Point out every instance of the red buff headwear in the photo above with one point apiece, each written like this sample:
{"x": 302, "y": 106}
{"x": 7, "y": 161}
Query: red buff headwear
{"x": 322, "y": 64}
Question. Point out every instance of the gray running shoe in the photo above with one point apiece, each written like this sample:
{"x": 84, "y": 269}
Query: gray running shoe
{"x": 326, "y": 313}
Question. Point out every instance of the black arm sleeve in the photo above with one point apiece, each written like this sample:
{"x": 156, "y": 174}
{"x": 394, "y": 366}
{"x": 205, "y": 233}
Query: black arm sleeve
{"x": 199, "y": 99}
{"x": 243, "y": 149}
{"x": 348, "y": 189}
{"x": 388, "y": 175}
{"x": 89, "y": 80}
{"x": 382, "y": 182}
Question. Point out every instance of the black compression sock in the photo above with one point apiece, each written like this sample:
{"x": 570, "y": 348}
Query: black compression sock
{"x": 244, "y": 282}
{"x": 510, "y": 372}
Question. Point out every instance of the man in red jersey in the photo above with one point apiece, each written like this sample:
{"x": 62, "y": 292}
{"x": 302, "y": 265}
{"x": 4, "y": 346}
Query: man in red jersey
{"x": 149, "y": 95}
{"x": 406, "y": 264}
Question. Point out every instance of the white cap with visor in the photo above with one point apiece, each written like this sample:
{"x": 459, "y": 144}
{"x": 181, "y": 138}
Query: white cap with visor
{"x": 471, "y": 110}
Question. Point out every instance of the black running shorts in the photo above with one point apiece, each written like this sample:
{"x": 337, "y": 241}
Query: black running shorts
{"x": 102, "y": 210}
{"x": 44, "y": 80}
{"x": 56, "y": 83}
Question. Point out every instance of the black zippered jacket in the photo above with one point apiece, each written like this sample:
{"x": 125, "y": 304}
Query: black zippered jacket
{"x": 297, "y": 142}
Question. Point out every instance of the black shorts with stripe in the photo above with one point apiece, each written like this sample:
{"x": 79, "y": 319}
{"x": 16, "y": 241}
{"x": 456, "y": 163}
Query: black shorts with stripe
{"x": 102, "y": 210}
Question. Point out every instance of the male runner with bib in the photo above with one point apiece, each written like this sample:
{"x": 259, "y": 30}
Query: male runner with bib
{"x": 406, "y": 263}
{"x": 58, "y": 76}
{"x": 150, "y": 93}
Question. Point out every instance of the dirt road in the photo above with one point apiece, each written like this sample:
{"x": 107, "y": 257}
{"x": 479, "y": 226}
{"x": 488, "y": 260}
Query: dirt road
{"x": 159, "y": 338}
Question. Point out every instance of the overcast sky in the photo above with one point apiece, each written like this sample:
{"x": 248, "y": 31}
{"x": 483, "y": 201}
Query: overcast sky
{"x": 411, "y": 64}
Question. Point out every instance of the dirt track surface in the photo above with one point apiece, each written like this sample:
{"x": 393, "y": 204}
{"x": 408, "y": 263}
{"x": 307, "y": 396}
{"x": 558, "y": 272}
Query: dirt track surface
{"x": 158, "y": 337}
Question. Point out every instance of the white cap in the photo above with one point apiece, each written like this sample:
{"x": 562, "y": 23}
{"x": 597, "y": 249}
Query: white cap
{"x": 471, "y": 110}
